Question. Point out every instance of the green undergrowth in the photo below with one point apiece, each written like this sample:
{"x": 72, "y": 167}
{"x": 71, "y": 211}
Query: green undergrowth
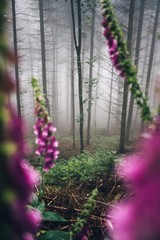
{"x": 84, "y": 167}
{"x": 101, "y": 142}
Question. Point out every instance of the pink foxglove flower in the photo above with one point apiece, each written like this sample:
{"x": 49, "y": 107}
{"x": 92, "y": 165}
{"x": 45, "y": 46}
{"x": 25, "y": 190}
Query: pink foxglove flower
{"x": 44, "y": 131}
{"x": 113, "y": 46}
{"x": 120, "y": 58}
{"x": 83, "y": 234}
{"x": 18, "y": 180}
{"x": 138, "y": 218}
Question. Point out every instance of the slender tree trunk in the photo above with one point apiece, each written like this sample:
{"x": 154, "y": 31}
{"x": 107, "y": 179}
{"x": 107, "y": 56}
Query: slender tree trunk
{"x": 43, "y": 52}
{"x": 54, "y": 105}
{"x": 96, "y": 95}
{"x": 157, "y": 92}
{"x": 110, "y": 102}
{"x": 154, "y": 69}
{"x": 55, "y": 71}
{"x": 136, "y": 61}
{"x": 151, "y": 54}
{"x": 125, "y": 91}
{"x": 152, "y": 48}
{"x": 84, "y": 49}
{"x": 144, "y": 63}
{"x": 77, "y": 42}
{"x": 119, "y": 99}
{"x": 72, "y": 91}
{"x": 16, "y": 57}
{"x": 123, "y": 120}
{"x": 54, "y": 93}
{"x": 91, "y": 73}
{"x": 68, "y": 88}
{"x": 72, "y": 87}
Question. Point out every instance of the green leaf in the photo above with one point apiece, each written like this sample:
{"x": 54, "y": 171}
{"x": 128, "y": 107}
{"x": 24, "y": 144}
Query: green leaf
{"x": 52, "y": 216}
{"x": 57, "y": 235}
{"x": 41, "y": 207}
{"x": 35, "y": 201}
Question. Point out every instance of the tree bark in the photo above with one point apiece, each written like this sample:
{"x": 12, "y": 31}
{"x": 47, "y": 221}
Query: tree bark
{"x": 72, "y": 91}
{"x": 91, "y": 73}
{"x": 43, "y": 52}
{"x": 77, "y": 42}
{"x": 16, "y": 57}
{"x": 125, "y": 91}
{"x": 152, "y": 48}
{"x": 96, "y": 94}
{"x": 110, "y": 102}
{"x": 136, "y": 61}
{"x": 151, "y": 54}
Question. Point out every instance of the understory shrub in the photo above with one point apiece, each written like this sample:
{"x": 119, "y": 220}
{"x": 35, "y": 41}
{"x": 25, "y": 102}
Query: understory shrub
{"x": 85, "y": 167}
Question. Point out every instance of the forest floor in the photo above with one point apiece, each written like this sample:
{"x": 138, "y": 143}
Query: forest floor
{"x": 69, "y": 184}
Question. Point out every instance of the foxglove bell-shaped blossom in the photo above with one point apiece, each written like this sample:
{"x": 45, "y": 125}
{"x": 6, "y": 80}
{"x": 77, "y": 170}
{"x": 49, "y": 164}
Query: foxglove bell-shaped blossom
{"x": 120, "y": 58}
{"x": 113, "y": 46}
{"x": 18, "y": 180}
{"x": 83, "y": 234}
{"x": 44, "y": 131}
{"x": 138, "y": 218}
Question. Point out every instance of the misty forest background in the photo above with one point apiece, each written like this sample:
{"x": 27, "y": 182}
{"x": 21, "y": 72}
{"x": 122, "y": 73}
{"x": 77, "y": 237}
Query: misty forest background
{"x": 61, "y": 43}
{"x": 43, "y": 34}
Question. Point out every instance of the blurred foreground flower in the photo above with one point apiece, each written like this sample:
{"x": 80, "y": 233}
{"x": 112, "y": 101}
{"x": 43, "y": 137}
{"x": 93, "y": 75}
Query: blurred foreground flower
{"x": 18, "y": 179}
{"x": 138, "y": 218}
{"x": 18, "y": 221}
{"x": 44, "y": 131}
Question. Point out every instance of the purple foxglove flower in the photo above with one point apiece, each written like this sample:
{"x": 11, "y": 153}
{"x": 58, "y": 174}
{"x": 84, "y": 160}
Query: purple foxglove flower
{"x": 82, "y": 235}
{"x": 113, "y": 48}
{"x": 7, "y": 84}
{"x": 33, "y": 220}
{"x": 122, "y": 74}
{"x": 22, "y": 170}
{"x": 111, "y": 42}
{"x": 115, "y": 59}
{"x": 48, "y": 165}
{"x": 104, "y": 22}
{"x": 107, "y": 32}
{"x": 28, "y": 236}
{"x": 138, "y": 218}
{"x": 44, "y": 131}
{"x": 19, "y": 179}
{"x": 113, "y": 45}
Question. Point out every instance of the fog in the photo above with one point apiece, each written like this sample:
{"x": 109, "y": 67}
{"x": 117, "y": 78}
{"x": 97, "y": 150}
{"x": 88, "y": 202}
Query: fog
{"x": 107, "y": 97}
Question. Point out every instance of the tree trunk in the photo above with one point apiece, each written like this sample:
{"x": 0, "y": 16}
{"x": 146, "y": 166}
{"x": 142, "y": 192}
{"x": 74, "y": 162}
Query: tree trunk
{"x": 144, "y": 63}
{"x": 77, "y": 42}
{"x": 110, "y": 102}
{"x": 152, "y": 48}
{"x": 125, "y": 91}
{"x": 43, "y": 52}
{"x": 136, "y": 61}
{"x": 72, "y": 91}
{"x": 91, "y": 74}
{"x": 16, "y": 57}
{"x": 151, "y": 54}
{"x": 96, "y": 94}
{"x": 123, "y": 120}
{"x": 72, "y": 88}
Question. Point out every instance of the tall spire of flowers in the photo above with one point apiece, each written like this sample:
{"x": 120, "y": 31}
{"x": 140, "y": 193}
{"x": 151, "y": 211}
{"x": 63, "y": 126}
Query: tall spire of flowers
{"x": 44, "y": 130}
{"x": 120, "y": 57}
{"x": 138, "y": 218}
{"x": 18, "y": 221}
{"x": 80, "y": 228}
